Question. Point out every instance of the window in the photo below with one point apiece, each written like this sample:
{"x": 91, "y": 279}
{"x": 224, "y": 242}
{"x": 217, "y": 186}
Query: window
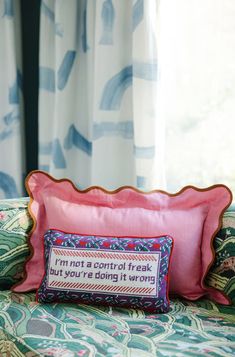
{"x": 197, "y": 91}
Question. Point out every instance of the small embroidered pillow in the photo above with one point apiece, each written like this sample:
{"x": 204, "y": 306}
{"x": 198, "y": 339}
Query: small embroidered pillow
{"x": 124, "y": 272}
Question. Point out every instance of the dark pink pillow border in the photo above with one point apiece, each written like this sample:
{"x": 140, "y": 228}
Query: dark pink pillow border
{"x": 218, "y": 295}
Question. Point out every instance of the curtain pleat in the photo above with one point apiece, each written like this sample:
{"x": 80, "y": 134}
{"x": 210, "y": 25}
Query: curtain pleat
{"x": 98, "y": 121}
{"x": 12, "y": 154}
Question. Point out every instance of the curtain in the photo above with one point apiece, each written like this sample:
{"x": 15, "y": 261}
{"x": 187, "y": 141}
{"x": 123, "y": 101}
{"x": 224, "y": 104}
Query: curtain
{"x": 98, "y": 120}
{"x": 12, "y": 154}
{"x": 132, "y": 92}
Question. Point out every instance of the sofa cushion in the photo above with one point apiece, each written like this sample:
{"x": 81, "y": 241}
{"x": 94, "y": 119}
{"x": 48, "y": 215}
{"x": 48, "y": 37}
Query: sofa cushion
{"x": 222, "y": 273}
{"x": 15, "y": 223}
{"x": 72, "y": 330}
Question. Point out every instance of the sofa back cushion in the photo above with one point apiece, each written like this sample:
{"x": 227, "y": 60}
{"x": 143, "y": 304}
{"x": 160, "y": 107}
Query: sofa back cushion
{"x": 15, "y": 223}
{"x": 222, "y": 273}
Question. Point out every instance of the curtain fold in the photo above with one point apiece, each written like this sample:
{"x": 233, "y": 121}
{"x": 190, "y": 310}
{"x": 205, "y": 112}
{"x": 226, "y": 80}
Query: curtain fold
{"x": 98, "y": 121}
{"x": 12, "y": 155}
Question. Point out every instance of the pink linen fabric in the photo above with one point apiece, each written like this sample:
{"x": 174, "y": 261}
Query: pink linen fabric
{"x": 192, "y": 217}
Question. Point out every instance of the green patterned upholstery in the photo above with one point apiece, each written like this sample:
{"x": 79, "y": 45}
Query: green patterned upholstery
{"x": 222, "y": 273}
{"x": 15, "y": 224}
{"x": 189, "y": 329}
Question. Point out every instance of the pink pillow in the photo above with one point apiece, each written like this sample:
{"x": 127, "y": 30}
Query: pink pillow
{"x": 192, "y": 217}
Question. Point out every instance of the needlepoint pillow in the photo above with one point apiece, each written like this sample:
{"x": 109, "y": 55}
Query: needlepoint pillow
{"x": 192, "y": 216}
{"x": 125, "y": 272}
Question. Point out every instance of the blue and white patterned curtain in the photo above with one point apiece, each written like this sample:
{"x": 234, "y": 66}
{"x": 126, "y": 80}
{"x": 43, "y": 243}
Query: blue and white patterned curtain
{"x": 11, "y": 111}
{"x": 98, "y": 120}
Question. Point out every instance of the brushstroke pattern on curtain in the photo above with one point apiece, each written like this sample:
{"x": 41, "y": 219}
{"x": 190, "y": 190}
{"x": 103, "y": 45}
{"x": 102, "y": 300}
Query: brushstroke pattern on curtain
{"x": 98, "y": 88}
{"x": 11, "y": 111}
